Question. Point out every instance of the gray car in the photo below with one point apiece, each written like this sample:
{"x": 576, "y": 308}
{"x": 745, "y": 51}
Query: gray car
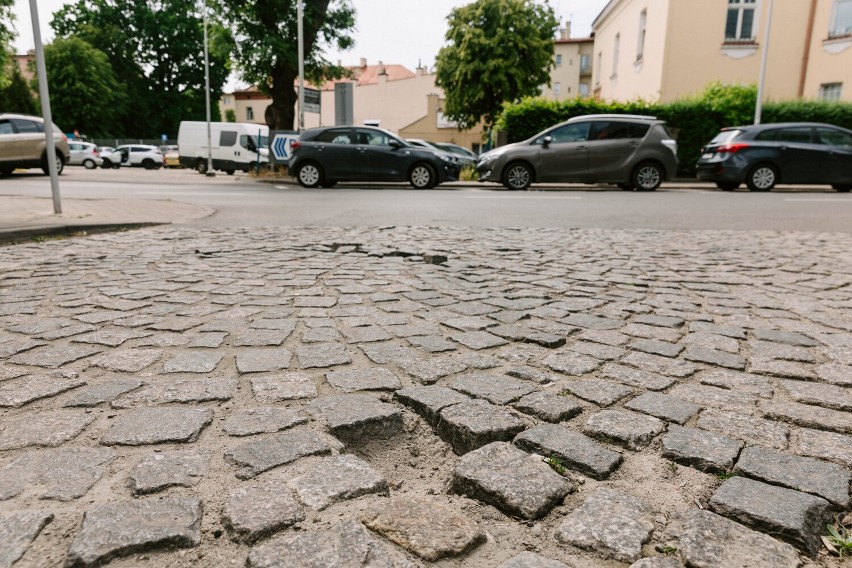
{"x": 632, "y": 151}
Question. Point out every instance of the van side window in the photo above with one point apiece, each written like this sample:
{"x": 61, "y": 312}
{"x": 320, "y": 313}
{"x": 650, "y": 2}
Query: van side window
{"x": 227, "y": 138}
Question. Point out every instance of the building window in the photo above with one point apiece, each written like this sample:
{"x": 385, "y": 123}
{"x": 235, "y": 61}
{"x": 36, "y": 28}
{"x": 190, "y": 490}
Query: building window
{"x": 841, "y": 19}
{"x": 559, "y": 60}
{"x": 226, "y": 100}
{"x": 584, "y": 90}
{"x": 640, "y": 46}
{"x": 830, "y": 91}
{"x": 616, "y": 47}
{"x": 740, "y": 23}
{"x": 585, "y": 64}
{"x": 249, "y": 113}
{"x": 557, "y": 88}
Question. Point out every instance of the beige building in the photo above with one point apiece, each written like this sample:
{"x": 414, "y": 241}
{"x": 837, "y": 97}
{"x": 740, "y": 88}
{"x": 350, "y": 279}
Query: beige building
{"x": 571, "y": 75}
{"x": 661, "y": 50}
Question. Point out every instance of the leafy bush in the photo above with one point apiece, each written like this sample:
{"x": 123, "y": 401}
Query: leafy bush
{"x": 694, "y": 120}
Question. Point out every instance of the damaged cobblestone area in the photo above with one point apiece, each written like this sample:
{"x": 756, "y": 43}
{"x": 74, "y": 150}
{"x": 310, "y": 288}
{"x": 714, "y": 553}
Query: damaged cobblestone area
{"x": 425, "y": 396}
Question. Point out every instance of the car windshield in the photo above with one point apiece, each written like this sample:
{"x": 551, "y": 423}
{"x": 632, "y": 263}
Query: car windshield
{"x": 725, "y": 136}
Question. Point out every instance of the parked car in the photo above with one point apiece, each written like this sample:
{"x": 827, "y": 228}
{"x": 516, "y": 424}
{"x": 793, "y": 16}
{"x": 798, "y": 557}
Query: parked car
{"x": 171, "y": 156}
{"x": 324, "y": 156}
{"x": 634, "y": 152}
{"x": 84, "y": 154}
{"x": 764, "y": 155}
{"x": 467, "y": 157}
{"x": 233, "y": 145}
{"x": 23, "y": 144}
{"x": 148, "y": 157}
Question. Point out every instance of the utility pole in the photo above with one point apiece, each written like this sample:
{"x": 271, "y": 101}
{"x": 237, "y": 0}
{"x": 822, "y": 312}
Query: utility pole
{"x": 763, "y": 59}
{"x": 300, "y": 28}
{"x": 44, "y": 96}
{"x": 209, "y": 171}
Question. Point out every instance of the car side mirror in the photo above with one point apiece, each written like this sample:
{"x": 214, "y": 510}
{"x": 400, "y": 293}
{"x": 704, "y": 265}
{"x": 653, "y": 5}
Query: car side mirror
{"x": 546, "y": 141}
{"x": 395, "y": 144}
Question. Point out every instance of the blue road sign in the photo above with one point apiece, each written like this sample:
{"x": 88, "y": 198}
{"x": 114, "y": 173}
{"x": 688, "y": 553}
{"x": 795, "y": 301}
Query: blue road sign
{"x": 281, "y": 146}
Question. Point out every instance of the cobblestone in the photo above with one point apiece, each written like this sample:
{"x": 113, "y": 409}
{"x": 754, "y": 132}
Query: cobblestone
{"x": 357, "y": 417}
{"x": 575, "y": 451}
{"x": 261, "y": 509}
{"x": 663, "y": 406}
{"x": 337, "y": 478}
{"x": 629, "y": 429}
{"x": 18, "y": 392}
{"x": 49, "y": 429}
{"x": 473, "y": 424}
{"x": 700, "y": 449}
{"x": 17, "y": 530}
{"x": 62, "y": 473}
{"x": 158, "y": 471}
{"x": 142, "y": 426}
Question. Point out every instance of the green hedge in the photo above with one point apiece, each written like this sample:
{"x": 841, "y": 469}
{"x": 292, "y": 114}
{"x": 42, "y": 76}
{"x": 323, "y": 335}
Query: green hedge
{"x": 693, "y": 121}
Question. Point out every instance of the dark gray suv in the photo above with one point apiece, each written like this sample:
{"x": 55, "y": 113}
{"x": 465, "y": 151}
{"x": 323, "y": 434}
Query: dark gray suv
{"x": 632, "y": 151}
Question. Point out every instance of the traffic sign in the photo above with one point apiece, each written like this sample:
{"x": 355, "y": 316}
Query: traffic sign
{"x": 281, "y": 143}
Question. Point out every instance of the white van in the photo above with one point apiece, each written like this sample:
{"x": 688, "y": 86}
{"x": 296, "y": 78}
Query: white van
{"x": 234, "y": 145}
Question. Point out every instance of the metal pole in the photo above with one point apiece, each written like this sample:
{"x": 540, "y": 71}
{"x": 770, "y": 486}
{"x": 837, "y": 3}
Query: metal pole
{"x": 300, "y": 27}
{"x": 763, "y": 59}
{"x": 209, "y": 171}
{"x": 43, "y": 94}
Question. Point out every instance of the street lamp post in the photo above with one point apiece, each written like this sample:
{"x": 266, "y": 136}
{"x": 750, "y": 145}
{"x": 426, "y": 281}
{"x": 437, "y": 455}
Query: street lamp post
{"x": 209, "y": 171}
{"x": 300, "y": 32}
{"x": 758, "y": 109}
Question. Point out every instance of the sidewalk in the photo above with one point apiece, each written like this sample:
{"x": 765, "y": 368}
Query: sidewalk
{"x": 24, "y": 217}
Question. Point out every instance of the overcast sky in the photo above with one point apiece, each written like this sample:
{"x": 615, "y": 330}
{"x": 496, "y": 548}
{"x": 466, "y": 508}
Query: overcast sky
{"x": 393, "y": 31}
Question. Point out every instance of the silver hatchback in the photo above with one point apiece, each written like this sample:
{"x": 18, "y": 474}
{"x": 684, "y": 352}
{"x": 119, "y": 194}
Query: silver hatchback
{"x": 631, "y": 151}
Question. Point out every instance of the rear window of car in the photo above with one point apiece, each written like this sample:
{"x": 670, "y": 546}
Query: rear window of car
{"x": 802, "y": 135}
{"x": 832, "y": 137}
{"x": 6, "y": 127}
{"x": 726, "y": 136}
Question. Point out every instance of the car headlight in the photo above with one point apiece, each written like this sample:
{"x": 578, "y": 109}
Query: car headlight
{"x": 447, "y": 158}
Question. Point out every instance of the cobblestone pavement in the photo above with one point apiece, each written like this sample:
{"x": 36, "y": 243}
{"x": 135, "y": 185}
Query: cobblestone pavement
{"x": 418, "y": 396}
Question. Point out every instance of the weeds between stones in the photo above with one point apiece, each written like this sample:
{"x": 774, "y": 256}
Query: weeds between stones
{"x": 556, "y": 464}
{"x": 665, "y": 549}
{"x": 672, "y": 467}
{"x": 725, "y": 476}
{"x": 839, "y": 540}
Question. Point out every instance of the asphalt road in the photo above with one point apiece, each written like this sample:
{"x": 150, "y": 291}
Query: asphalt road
{"x": 241, "y": 201}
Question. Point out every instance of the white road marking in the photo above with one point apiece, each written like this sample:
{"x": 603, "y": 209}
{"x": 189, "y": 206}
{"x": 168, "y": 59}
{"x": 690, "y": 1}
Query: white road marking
{"x": 187, "y": 193}
{"x": 538, "y": 196}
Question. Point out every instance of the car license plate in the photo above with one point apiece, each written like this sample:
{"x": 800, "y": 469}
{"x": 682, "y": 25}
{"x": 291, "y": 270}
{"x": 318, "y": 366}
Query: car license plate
{"x": 707, "y": 155}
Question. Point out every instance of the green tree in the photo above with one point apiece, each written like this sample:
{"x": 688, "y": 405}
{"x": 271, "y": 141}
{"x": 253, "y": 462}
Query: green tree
{"x": 7, "y": 34}
{"x": 496, "y": 51}
{"x": 16, "y": 95}
{"x": 84, "y": 94}
{"x": 266, "y": 47}
{"x": 156, "y": 48}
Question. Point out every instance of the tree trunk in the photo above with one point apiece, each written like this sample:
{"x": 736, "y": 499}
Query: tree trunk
{"x": 281, "y": 114}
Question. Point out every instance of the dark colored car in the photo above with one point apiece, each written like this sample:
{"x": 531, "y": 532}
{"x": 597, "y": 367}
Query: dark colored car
{"x": 325, "y": 156}
{"x": 465, "y": 156}
{"x": 634, "y": 152}
{"x": 764, "y": 155}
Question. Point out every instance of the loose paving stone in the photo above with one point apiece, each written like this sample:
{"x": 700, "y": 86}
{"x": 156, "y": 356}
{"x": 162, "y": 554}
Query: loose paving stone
{"x": 128, "y": 360}
{"x": 829, "y": 481}
{"x": 181, "y": 390}
{"x": 826, "y": 445}
{"x": 611, "y": 523}
{"x": 548, "y": 406}
{"x": 18, "y": 392}
{"x": 497, "y": 389}
{"x": 828, "y": 396}
{"x": 47, "y": 429}
{"x": 103, "y": 392}
{"x": 737, "y": 381}
{"x": 509, "y": 479}
{"x": 53, "y": 356}
{"x": 120, "y": 529}
{"x": 261, "y": 509}
{"x": 193, "y": 362}
{"x": 792, "y": 516}
{"x": 661, "y": 365}
{"x": 262, "y": 360}
{"x": 475, "y": 423}
{"x": 343, "y": 546}
{"x": 428, "y": 401}
{"x": 748, "y": 429}
{"x": 478, "y": 339}
{"x": 322, "y": 355}
{"x": 782, "y": 369}
{"x": 786, "y": 337}
{"x": 428, "y": 529}
{"x": 713, "y": 357}
{"x": 157, "y": 425}
{"x": 715, "y": 397}
{"x": 700, "y": 449}
{"x": 571, "y": 363}
{"x": 599, "y": 391}
{"x": 356, "y": 418}
{"x": 160, "y": 470}
{"x": 63, "y": 474}
{"x": 808, "y": 416}
{"x": 266, "y": 452}
{"x": 528, "y": 559}
{"x": 629, "y": 429}
{"x": 656, "y": 347}
{"x": 353, "y": 380}
{"x": 636, "y": 377}
{"x": 288, "y": 386}
{"x": 575, "y": 451}
{"x": 337, "y": 478}
{"x": 706, "y": 540}
{"x": 17, "y": 530}
{"x": 249, "y": 421}
{"x": 664, "y": 406}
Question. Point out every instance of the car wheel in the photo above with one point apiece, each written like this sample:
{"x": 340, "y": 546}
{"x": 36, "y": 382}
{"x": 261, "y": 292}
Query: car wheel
{"x": 647, "y": 176}
{"x": 727, "y": 185}
{"x": 422, "y": 176}
{"x": 309, "y": 175}
{"x": 201, "y": 166}
{"x": 89, "y": 164}
{"x": 148, "y": 164}
{"x": 517, "y": 176}
{"x": 229, "y": 172}
{"x": 6, "y": 172}
{"x": 762, "y": 177}
{"x": 60, "y": 164}
{"x": 842, "y": 188}
{"x": 625, "y": 186}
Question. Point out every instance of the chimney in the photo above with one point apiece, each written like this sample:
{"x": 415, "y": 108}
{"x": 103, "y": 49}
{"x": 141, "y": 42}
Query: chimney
{"x": 565, "y": 33}
{"x": 363, "y": 62}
